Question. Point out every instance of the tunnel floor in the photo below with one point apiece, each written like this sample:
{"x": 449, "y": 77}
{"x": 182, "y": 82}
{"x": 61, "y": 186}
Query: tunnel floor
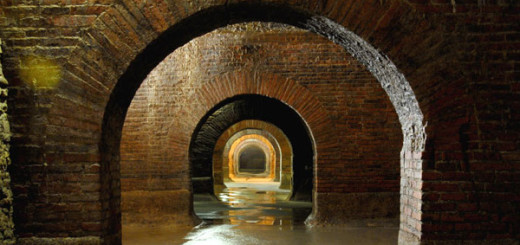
{"x": 259, "y": 214}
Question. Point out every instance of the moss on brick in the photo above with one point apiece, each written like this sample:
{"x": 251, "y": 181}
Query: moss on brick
{"x": 6, "y": 195}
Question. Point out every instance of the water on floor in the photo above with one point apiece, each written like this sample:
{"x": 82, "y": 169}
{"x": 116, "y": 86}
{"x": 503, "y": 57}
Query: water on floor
{"x": 259, "y": 214}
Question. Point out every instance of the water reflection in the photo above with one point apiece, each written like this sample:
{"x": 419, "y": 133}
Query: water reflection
{"x": 247, "y": 203}
{"x": 299, "y": 235}
{"x": 259, "y": 215}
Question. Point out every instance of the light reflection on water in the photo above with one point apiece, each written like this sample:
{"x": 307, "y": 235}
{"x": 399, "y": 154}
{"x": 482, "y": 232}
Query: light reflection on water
{"x": 263, "y": 215}
{"x": 243, "y": 211}
{"x": 251, "y": 204}
{"x": 298, "y": 235}
{"x": 259, "y": 216}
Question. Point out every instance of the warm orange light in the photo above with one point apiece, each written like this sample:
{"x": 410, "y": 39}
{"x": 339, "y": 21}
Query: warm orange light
{"x": 235, "y": 149}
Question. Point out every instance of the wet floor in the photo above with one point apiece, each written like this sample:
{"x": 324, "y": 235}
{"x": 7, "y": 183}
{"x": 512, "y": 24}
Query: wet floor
{"x": 258, "y": 204}
{"x": 256, "y": 214}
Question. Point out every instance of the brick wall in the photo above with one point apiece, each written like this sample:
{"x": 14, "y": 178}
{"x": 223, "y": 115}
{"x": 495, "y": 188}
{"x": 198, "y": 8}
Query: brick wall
{"x": 471, "y": 169}
{"x": 460, "y": 58}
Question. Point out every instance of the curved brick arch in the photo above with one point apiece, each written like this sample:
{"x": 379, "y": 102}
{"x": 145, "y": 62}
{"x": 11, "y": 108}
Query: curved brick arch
{"x": 247, "y": 82}
{"x": 304, "y": 103}
{"x": 297, "y": 97}
{"x": 381, "y": 67}
{"x": 394, "y": 83}
{"x": 134, "y": 38}
{"x": 283, "y": 149}
{"x": 310, "y": 109}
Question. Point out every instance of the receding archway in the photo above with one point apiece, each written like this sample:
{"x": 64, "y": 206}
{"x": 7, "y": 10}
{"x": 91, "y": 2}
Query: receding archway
{"x": 283, "y": 152}
{"x": 228, "y": 118}
{"x": 381, "y": 67}
{"x": 254, "y": 157}
{"x": 278, "y": 134}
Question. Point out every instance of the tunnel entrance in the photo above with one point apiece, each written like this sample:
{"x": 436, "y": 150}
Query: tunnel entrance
{"x": 252, "y": 125}
{"x": 257, "y": 150}
{"x": 249, "y": 157}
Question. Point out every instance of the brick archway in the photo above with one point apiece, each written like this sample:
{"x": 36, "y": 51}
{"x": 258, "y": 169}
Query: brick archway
{"x": 229, "y": 85}
{"x": 305, "y": 104}
{"x": 270, "y": 85}
{"x": 393, "y": 82}
{"x": 283, "y": 151}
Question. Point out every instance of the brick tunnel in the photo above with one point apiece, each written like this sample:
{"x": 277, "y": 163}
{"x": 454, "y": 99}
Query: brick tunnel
{"x": 120, "y": 112}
